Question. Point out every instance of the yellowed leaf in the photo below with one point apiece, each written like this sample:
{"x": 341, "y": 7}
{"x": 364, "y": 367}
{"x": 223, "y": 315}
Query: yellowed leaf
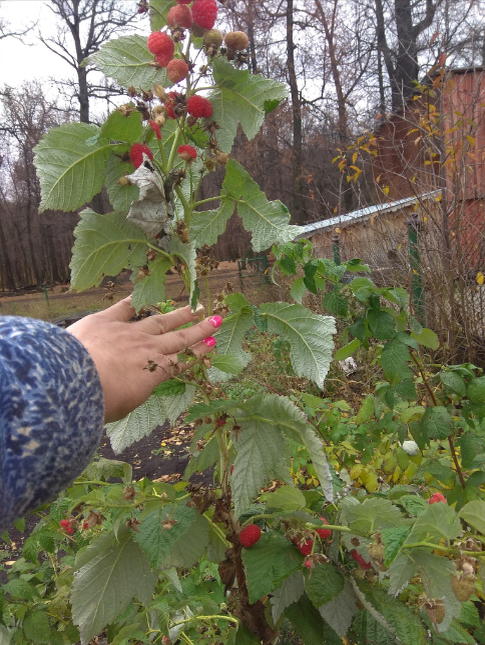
{"x": 480, "y": 278}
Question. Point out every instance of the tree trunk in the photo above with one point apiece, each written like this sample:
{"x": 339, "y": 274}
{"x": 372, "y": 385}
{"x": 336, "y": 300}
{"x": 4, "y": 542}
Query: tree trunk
{"x": 8, "y": 281}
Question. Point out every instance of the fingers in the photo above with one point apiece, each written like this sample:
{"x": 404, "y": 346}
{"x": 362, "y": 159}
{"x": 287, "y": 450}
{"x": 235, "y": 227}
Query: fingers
{"x": 166, "y": 322}
{"x": 122, "y": 310}
{"x": 179, "y": 340}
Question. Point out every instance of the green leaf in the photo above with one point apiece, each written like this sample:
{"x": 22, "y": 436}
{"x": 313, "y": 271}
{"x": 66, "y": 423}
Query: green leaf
{"x": 470, "y": 447}
{"x": 474, "y": 514}
{"x": 366, "y": 411}
{"x": 393, "y": 540}
{"x": 147, "y": 417}
{"x": 268, "y": 222}
{"x": 240, "y": 98}
{"x": 206, "y": 458}
{"x": 118, "y": 127}
{"x": 454, "y": 381}
{"x": 437, "y": 521}
{"x": 347, "y": 350}
{"x": 298, "y": 290}
{"x": 382, "y": 324}
{"x": 427, "y": 338}
{"x": 36, "y": 627}
{"x": 5, "y": 635}
{"x": 457, "y": 634}
{"x": 120, "y": 197}
{"x": 228, "y": 363}
{"x": 339, "y": 612}
{"x": 188, "y": 255}
{"x": 436, "y": 423}
{"x": 314, "y": 445}
{"x": 169, "y": 388}
{"x": 394, "y": 358}
{"x": 158, "y": 13}
{"x": 268, "y": 563}
{"x": 335, "y": 302}
{"x": 309, "y": 334}
{"x": 401, "y": 571}
{"x": 288, "y": 498}
{"x": 104, "y": 245}
{"x": 476, "y": 390}
{"x": 20, "y": 524}
{"x": 324, "y": 584}
{"x": 309, "y": 624}
{"x": 289, "y": 592}
{"x": 109, "y": 574}
{"x": 200, "y": 410}
{"x": 206, "y": 226}
{"x": 230, "y": 336}
{"x": 104, "y": 469}
{"x": 358, "y": 329}
{"x": 70, "y": 171}
{"x": 157, "y": 542}
{"x": 373, "y": 514}
{"x": 126, "y": 60}
{"x": 22, "y": 589}
{"x": 261, "y": 455}
{"x": 150, "y": 289}
{"x": 436, "y": 574}
{"x": 188, "y": 550}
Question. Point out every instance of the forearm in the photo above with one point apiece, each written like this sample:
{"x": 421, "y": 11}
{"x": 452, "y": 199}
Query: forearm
{"x": 51, "y": 413}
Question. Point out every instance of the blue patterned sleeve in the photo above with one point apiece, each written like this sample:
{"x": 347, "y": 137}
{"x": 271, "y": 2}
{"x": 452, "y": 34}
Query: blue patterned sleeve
{"x": 51, "y": 413}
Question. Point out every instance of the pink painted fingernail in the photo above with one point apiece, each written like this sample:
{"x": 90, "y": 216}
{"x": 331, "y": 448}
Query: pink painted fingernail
{"x": 215, "y": 321}
{"x": 210, "y": 341}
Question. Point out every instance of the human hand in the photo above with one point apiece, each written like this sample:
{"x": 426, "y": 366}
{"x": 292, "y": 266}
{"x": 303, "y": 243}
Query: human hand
{"x": 121, "y": 351}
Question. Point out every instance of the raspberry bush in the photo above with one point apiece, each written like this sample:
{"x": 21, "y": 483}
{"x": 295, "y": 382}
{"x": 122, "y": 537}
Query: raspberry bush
{"x": 348, "y": 541}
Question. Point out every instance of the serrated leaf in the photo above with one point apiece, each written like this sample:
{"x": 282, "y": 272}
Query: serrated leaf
{"x": 157, "y": 542}
{"x": 188, "y": 254}
{"x": 382, "y": 324}
{"x": 287, "y": 498}
{"x": 401, "y": 571}
{"x": 393, "y": 540}
{"x": 457, "y": 634}
{"x": 126, "y": 60}
{"x": 267, "y": 563}
{"x": 118, "y": 127}
{"x": 324, "y": 584}
{"x": 228, "y": 363}
{"x": 104, "y": 245}
{"x": 206, "y": 226}
{"x": 61, "y": 157}
{"x": 347, "y": 350}
{"x": 150, "y": 289}
{"x": 206, "y": 458}
{"x": 436, "y": 423}
{"x": 37, "y": 627}
{"x": 187, "y": 551}
{"x": 316, "y": 451}
{"x": 309, "y": 624}
{"x": 19, "y": 588}
{"x": 200, "y": 410}
{"x": 454, "y": 381}
{"x": 436, "y": 574}
{"x": 230, "y": 336}
{"x": 120, "y": 196}
{"x": 474, "y": 514}
{"x": 476, "y": 390}
{"x": 335, "y": 302}
{"x": 261, "y": 455}
{"x": 240, "y": 98}
{"x": 368, "y": 630}
{"x": 394, "y": 358}
{"x": 104, "y": 469}
{"x": 30, "y": 550}
{"x": 111, "y": 572}
{"x": 298, "y": 290}
{"x": 286, "y": 594}
{"x": 147, "y": 417}
{"x": 268, "y": 222}
{"x": 158, "y": 11}
{"x": 427, "y": 338}
{"x": 373, "y": 514}
{"x": 309, "y": 334}
{"x": 437, "y": 521}
{"x": 5, "y": 635}
{"x": 340, "y": 611}
{"x": 169, "y": 388}
{"x": 366, "y": 411}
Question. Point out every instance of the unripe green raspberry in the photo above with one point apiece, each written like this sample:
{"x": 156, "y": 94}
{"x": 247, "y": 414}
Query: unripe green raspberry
{"x": 213, "y": 37}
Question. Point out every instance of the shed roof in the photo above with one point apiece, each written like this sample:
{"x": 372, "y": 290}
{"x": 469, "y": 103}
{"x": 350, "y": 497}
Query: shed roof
{"x": 362, "y": 214}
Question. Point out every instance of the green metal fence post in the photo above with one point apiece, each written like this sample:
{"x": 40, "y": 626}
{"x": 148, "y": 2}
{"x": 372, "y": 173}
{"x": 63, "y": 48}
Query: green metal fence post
{"x": 336, "y": 248}
{"x": 417, "y": 288}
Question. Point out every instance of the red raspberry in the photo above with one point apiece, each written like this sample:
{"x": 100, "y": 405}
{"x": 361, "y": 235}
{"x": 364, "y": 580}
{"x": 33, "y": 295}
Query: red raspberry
{"x": 189, "y": 153}
{"x": 156, "y": 128}
{"x": 250, "y": 535}
{"x": 70, "y": 530}
{"x": 65, "y": 523}
{"x": 204, "y": 13}
{"x": 324, "y": 533}
{"x": 160, "y": 44}
{"x": 136, "y": 154}
{"x": 437, "y": 497}
{"x": 306, "y": 547}
{"x": 85, "y": 525}
{"x": 180, "y": 16}
{"x": 177, "y": 70}
{"x": 199, "y": 107}
{"x": 358, "y": 558}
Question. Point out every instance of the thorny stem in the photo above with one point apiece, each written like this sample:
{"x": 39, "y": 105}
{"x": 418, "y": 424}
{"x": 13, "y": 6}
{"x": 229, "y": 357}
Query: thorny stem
{"x": 436, "y": 404}
{"x": 205, "y": 201}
